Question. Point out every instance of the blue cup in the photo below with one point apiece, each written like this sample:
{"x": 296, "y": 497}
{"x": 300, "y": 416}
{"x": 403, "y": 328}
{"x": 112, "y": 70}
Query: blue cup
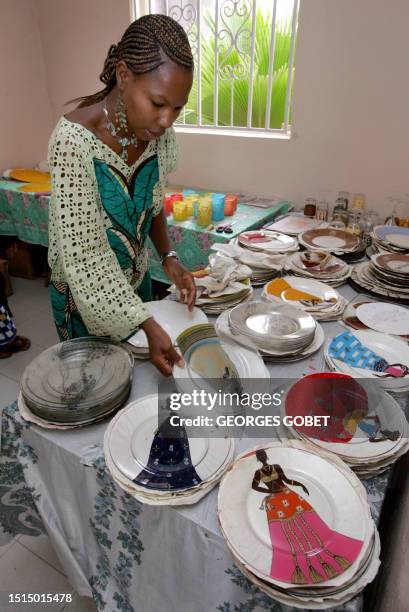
{"x": 217, "y": 206}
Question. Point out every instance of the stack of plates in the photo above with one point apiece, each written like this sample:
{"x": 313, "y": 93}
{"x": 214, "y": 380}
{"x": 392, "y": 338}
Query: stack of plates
{"x": 332, "y": 240}
{"x": 332, "y": 271}
{"x": 383, "y": 317}
{"x": 367, "y": 428}
{"x": 77, "y": 382}
{"x": 233, "y": 294}
{"x": 310, "y": 544}
{"x": 208, "y": 357}
{"x": 263, "y": 267}
{"x": 278, "y": 331}
{"x": 267, "y": 241}
{"x": 162, "y": 465}
{"x": 393, "y": 350}
{"x": 322, "y": 301}
{"x": 224, "y": 330}
{"x": 294, "y": 224}
{"x": 173, "y": 317}
{"x": 385, "y": 275}
{"x": 391, "y": 238}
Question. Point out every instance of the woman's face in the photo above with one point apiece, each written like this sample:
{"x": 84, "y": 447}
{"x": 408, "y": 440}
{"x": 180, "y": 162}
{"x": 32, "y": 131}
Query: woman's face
{"x": 153, "y": 100}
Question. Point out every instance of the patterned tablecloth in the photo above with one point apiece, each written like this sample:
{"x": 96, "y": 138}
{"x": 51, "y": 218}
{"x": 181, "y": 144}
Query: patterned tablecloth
{"x": 24, "y": 215}
{"x": 194, "y": 243}
{"x": 127, "y": 555}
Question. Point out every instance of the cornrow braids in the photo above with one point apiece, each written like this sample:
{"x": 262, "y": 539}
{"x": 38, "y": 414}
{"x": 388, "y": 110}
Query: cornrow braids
{"x": 143, "y": 48}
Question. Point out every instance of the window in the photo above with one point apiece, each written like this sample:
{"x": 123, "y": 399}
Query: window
{"x": 244, "y": 54}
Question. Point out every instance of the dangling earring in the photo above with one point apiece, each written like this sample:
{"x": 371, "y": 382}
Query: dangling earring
{"x": 122, "y": 121}
{"x": 120, "y": 114}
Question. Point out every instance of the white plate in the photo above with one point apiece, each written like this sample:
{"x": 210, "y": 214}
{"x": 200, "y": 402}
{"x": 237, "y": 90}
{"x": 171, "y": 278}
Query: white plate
{"x": 172, "y": 316}
{"x": 332, "y": 495}
{"x": 328, "y": 296}
{"x": 267, "y": 241}
{"x": 384, "y": 317}
{"x": 294, "y": 224}
{"x": 132, "y": 435}
{"x": 393, "y": 350}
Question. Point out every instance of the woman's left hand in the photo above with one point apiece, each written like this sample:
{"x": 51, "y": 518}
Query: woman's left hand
{"x": 183, "y": 280}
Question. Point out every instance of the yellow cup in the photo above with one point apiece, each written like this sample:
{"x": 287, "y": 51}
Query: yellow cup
{"x": 190, "y": 205}
{"x": 204, "y": 212}
{"x": 179, "y": 211}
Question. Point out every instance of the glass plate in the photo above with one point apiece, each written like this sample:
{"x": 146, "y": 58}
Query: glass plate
{"x": 77, "y": 373}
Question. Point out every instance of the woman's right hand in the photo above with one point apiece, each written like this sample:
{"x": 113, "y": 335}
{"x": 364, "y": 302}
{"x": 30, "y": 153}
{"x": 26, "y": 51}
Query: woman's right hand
{"x": 162, "y": 352}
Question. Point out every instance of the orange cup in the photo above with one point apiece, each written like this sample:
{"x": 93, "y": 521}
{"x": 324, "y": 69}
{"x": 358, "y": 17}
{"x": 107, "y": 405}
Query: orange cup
{"x": 230, "y": 205}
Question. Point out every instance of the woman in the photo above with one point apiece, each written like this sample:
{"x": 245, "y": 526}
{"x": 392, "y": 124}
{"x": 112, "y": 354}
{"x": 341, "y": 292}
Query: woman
{"x": 109, "y": 160}
{"x": 305, "y": 549}
{"x": 9, "y": 341}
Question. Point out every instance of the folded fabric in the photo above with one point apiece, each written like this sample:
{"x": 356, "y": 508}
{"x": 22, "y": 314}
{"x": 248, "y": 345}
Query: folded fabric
{"x": 347, "y": 348}
{"x": 252, "y": 258}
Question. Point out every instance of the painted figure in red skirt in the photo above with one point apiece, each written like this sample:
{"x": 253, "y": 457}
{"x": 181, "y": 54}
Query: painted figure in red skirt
{"x": 305, "y": 549}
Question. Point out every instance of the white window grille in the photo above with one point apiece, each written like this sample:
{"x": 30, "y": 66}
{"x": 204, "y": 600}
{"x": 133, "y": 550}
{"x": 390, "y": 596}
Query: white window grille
{"x": 244, "y": 54}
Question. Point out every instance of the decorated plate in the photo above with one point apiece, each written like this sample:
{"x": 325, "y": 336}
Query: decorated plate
{"x": 158, "y": 456}
{"x": 267, "y": 240}
{"x": 292, "y": 516}
{"x": 330, "y": 239}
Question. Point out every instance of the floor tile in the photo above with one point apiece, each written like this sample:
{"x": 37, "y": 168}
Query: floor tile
{"x": 9, "y": 390}
{"x": 81, "y": 604}
{"x": 40, "y": 329}
{"x": 6, "y": 547}
{"x": 17, "y": 363}
{"x": 21, "y": 571}
{"x": 42, "y": 547}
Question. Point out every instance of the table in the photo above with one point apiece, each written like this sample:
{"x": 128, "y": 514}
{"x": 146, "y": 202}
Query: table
{"x": 126, "y": 555}
{"x": 24, "y": 215}
{"x": 194, "y": 243}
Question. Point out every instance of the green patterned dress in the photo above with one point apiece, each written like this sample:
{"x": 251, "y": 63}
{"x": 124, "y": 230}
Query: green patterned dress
{"x": 101, "y": 212}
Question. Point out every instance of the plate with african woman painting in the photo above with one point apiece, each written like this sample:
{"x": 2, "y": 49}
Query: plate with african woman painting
{"x": 156, "y": 454}
{"x": 364, "y": 424}
{"x": 294, "y": 517}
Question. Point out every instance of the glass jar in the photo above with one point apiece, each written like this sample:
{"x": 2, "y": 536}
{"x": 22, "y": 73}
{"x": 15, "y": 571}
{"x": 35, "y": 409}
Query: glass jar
{"x": 353, "y": 226}
{"x": 342, "y": 200}
{"x": 337, "y": 221}
{"x": 358, "y": 201}
{"x": 321, "y": 214}
{"x": 310, "y": 207}
{"x": 402, "y": 212}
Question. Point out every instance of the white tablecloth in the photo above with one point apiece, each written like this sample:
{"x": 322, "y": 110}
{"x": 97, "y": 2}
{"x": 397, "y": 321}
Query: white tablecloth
{"x": 128, "y": 556}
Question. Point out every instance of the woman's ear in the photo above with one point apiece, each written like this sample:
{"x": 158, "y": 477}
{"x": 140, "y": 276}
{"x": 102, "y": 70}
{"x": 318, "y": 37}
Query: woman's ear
{"x": 122, "y": 74}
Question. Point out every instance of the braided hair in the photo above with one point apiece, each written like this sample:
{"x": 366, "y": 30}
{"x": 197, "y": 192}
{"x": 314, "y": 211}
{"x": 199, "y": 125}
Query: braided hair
{"x": 142, "y": 48}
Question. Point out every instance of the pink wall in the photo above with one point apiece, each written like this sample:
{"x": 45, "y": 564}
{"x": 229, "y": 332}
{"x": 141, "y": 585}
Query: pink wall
{"x": 25, "y": 108}
{"x": 76, "y": 36}
{"x": 350, "y": 120}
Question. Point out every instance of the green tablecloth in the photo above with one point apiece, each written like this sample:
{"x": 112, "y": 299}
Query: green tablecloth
{"x": 24, "y": 215}
{"x": 194, "y": 243}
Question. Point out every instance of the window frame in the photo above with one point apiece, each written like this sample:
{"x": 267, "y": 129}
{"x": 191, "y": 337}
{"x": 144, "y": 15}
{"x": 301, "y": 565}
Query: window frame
{"x": 138, "y": 8}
